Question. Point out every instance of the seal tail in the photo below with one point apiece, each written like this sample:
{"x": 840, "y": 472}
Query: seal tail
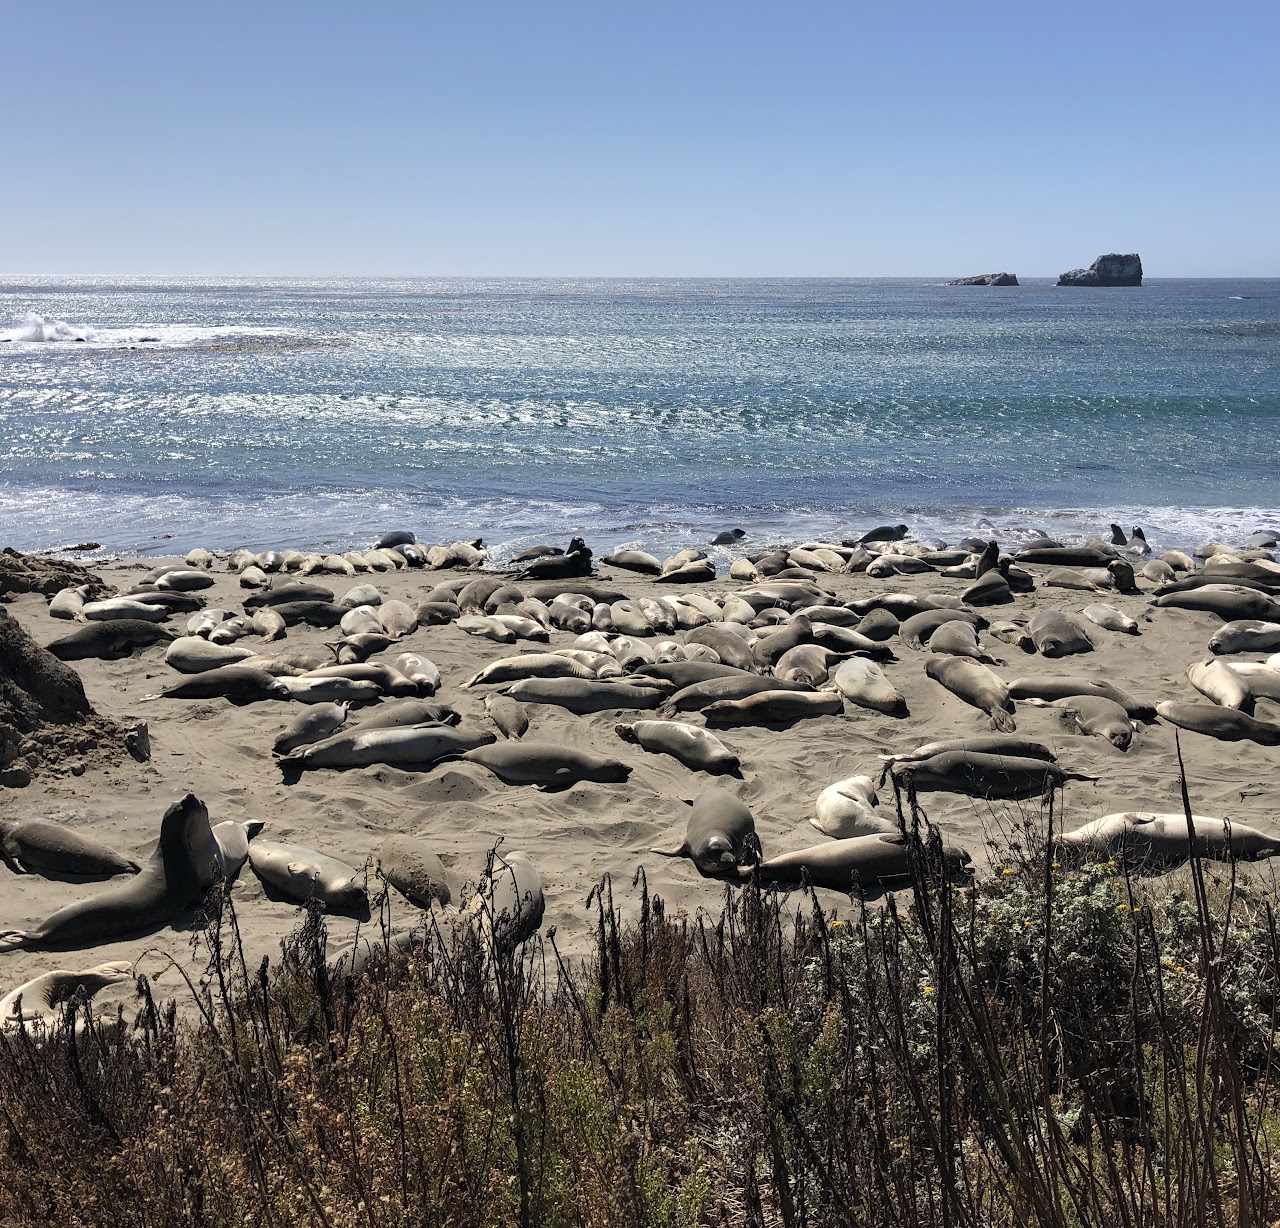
{"x": 1003, "y": 721}
{"x": 1080, "y": 776}
{"x": 13, "y": 940}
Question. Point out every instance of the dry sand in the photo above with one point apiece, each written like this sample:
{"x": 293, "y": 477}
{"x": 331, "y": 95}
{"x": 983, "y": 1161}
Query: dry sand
{"x": 222, "y": 753}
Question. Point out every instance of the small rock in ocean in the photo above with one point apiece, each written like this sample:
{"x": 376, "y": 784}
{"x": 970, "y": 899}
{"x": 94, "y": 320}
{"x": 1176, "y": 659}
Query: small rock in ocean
{"x": 1109, "y": 270}
{"x": 986, "y": 279}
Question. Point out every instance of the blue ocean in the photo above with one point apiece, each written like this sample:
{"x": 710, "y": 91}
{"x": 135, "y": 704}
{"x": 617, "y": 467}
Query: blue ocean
{"x": 152, "y": 415}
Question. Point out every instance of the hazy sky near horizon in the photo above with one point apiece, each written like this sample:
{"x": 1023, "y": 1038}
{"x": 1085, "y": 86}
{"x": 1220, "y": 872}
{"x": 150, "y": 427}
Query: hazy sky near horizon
{"x": 661, "y": 139}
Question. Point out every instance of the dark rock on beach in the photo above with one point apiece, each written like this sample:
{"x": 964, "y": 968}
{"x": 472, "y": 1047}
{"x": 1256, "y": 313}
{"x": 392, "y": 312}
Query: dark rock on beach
{"x": 1109, "y": 270}
{"x": 23, "y": 573}
{"x": 986, "y": 279}
{"x": 45, "y": 717}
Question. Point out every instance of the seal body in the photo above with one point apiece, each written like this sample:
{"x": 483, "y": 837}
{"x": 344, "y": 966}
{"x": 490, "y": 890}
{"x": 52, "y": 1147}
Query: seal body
{"x": 720, "y": 833}
{"x": 861, "y": 864}
{"x": 977, "y": 686}
{"x": 696, "y": 748}
{"x": 1225, "y": 724}
{"x": 41, "y": 998}
{"x": 546, "y": 764}
{"x": 847, "y": 808}
{"x": 409, "y": 865}
{"x": 302, "y": 874}
{"x": 1155, "y": 842}
{"x": 45, "y": 847}
{"x": 984, "y": 775}
{"x": 415, "y": 745}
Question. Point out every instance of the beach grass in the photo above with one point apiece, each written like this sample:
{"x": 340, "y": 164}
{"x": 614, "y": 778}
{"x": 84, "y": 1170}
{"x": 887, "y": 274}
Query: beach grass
{"x": 1053, "y": 1046}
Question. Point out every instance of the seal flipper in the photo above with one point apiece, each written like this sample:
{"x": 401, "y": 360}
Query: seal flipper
{"x": 1003, "y": 721}
{"x": 679, "y": 850}
{"x": 13, "y": 940}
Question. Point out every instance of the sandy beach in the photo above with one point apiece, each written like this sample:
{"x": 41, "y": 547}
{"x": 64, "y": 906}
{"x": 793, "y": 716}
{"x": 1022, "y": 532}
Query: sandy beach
{"x": 222, "y": 753}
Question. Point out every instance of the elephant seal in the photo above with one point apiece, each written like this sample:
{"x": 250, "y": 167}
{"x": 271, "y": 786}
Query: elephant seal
{"x": 529, "y": 665}
{"x": 864, "y": 684}
{"x": 326, "y": 690}
{"x": 1155, "y": 842}
{"x": 731, "y": 648}
{"x": 582, "y": 696}
{"x": 42, "y": 998}
{"x": 976, "y": 685}
{"x": 303, "y": 875}
{"x": 1226, "y": 724}
{"x": 985, "y": 776}
{"x": 192, "y": 654}
{"x": 696, "y": 748}
{"x": 846, "y": 809}
{"x": 1216, "y": 680}
{"x": 688, "y": 673}
{"x": 574, "y": 562}
{"x": 990, "y": 588}
{"x": 1063, "y": 686}
{"x": 634, "y": 560}
{"x": 388, "y": 679}
{"x": 1261, "y": 677}
{"x": 419, "y": 746}
{"x": 773, "y": 707}
{"x": 232, "y": 839}
{"x": 727, "y": 537}
{"x": 1056, "y": 634}
{"x": 184, "y": 581}
{"x": 1066, "y": 556}
{"x": 289, "y": 592}
{"x": 1245, "y": 635}
{"x": 807, "y": 663}
{"x": 241, "y": 684}
{"x": 510, "y": 903}
{"x": 180, "y": 871}
{"x": 45, "y": 847}
{"x": 318, "y": 721}
{"x": 881, "y": 533}
{"x": 108, "y": 641}
{"x": 1228, "y": 602}
{"x": 1097, "y": 716}
{"x": 1111, "y": 619}
{"x": 410, "y": 866}
{"x": 70, "y": 602}
{"x": 879, "y": 626}
{"x": 548, "y": 765}
{"x": 403, "y": 712}
{"x": 395, "y": 537}
{"x": 959, "y": 639}
{"x": 111, "y": 608}
{"x": 509, "y": 715}
{"x": 738, "y": 685}
{"x": 858, "y": 865}
{"x": 719, "y": 834}
{"x": 1013, "y": 745}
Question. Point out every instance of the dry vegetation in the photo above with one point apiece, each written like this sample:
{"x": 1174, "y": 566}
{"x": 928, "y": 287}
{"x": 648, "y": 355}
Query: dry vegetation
{"x": 1050, "y": 1047}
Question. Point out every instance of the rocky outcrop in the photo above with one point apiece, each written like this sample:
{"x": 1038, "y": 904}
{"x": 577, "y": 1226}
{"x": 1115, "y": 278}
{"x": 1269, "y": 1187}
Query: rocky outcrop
{"x": 1109, "y": 270}
{"x": 986, "y": 279}
{"x": 45, "y": 718}
{"x": 24, "y": 573}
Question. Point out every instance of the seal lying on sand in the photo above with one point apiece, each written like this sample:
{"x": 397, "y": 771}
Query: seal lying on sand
{"x": 182, "y": 868}
{"x": 43, "y": 997}
{"x": 696, "y": 748}
{"x": 1155, "y": 842}
{"x": 719, "y": 835}
{"x": 988, "y": 776}
{"x": 546, "y": 764}
{"x": 865, "y": 864}
{"x": 509, "y": 903}
{"x": 302, "y": 874}
{"x": 45, "y": 847}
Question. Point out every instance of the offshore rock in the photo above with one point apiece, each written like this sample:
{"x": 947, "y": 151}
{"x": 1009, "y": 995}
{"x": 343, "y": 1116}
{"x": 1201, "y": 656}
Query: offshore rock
{"x": 986, "y": 279}
{"x": 25, "y": 573}
{"x": 1109, "y": 270}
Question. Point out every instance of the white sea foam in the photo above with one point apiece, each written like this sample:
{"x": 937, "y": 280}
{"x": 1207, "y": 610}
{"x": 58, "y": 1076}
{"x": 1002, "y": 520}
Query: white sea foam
{"x": 43, "y": 328}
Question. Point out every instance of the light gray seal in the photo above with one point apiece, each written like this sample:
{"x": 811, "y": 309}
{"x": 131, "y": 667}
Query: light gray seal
{"x": 1229, "y": 602}
{"x": 1056, "y": 634}
{"x": 401, "y": 712}
{"x": 232, "y": 839}
{"x": 986, "y": 776}
{"x": 634, "y": 560}
{"x": 984, "y": 744}
{"x": 864, "y": 684}
{"x": 960, "y": 639}
{"x": 418, "y": 746}
{"x": 182, "y": 868}
{"x": 773, "y": 707}
{"x": 43, "y": 998}
{"x": 698, "y": 695}
{"x": 696, "y": 748}
{"x": 977, "y": 686}
{"x": 857, "y": 865}
{"x": 302, "y": 874}
{"x": 1097, "y": 716}
{"x": 509, "y": 715}
{"x": 917, "y": 630}
{"x": 409, "y": 865}
{"x": 45, "y": 847}
{"x": 317, "y": 722}
{"x": 549, "y": 765}
{"x": 1225, "y": 724}
{"x": 1064, "y": 686}
{"x": 719, "y": 834}
{"x": 510, "y": 903}
{"x": 582, "y": 696}
{"x": 193, "y": 654}
{"x": 1245, "y": 635}
{"x": 1151, "y": 842}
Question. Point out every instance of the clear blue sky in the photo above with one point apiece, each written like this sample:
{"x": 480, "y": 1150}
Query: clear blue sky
{"x": 597, "y": 138}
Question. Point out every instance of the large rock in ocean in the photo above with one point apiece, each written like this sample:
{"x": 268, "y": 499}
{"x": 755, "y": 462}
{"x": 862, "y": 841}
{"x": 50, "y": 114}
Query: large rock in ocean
{"x": 1109, "y": 270}
{"x": 986, "y": 279}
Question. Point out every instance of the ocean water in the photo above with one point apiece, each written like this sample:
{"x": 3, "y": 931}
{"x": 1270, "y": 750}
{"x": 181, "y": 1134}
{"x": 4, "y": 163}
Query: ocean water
{"x": 153, "y": 415}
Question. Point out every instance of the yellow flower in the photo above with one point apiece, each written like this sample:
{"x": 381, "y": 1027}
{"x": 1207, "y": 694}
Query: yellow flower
{"x": 928, "y": 989}
{"x": 1007, "y": 870}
